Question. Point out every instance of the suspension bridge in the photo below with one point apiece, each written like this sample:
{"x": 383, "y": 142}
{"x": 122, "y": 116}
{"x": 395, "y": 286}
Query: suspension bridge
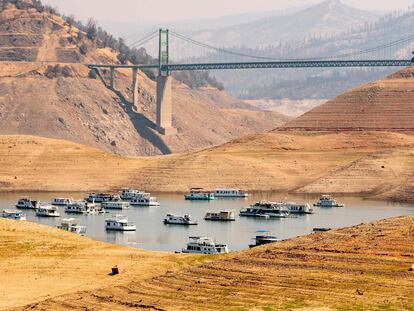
{"x": 212, "y": 59}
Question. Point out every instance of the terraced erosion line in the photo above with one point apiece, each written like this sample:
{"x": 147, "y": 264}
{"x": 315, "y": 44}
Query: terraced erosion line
{"x": 365, "y": 267}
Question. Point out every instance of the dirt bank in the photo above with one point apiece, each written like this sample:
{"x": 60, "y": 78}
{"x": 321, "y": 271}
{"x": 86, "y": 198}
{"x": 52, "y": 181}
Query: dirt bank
{"x": 364, "y": 267}
{"x": 374, "y": 164}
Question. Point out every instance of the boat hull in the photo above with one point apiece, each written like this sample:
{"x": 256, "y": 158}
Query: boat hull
{"x": 122, "y": 229}
{"x": 180, "y": 223}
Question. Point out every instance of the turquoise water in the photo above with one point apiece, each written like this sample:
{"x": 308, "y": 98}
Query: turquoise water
{"x": 152, "y": 234}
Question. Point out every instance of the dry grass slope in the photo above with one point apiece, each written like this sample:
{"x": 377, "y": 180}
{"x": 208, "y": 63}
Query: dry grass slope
{"x": 359, "y": 268}
{"x": 38, "y": 262}
{"x": 384, "y": 105}
{"x": 374, "y": 164}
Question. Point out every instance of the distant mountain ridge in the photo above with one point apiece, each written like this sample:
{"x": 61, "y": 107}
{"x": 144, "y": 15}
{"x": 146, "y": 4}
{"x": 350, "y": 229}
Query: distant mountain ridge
{"x": 326, "y": 18}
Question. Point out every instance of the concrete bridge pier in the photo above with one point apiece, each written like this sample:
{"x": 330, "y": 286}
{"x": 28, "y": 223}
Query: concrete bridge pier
{"x": 112, "y": 79}
{"x": 135, "y": 95}
{"x": 164, "y": 105}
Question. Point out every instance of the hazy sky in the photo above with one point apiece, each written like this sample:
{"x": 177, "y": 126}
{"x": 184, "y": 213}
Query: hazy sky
{"x": 144, "y": 11}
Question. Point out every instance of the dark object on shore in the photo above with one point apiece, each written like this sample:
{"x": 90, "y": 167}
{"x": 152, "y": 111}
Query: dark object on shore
{"x": 115, "y": 271}
{"x": 321, "y": 229}
{"x": 411, "y": 268}
{"x": 360, "y": 291}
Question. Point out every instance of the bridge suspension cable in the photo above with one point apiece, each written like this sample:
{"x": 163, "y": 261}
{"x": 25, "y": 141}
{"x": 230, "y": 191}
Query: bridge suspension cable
{"x": 266, "y": 58}
{"x": 144, "y": 40}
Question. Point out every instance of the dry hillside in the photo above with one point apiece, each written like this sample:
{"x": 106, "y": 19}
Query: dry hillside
{"x": 38, "y": 262}
{"x": 374, "y": 164}
{"x": 384, "y": 105}
{"x": 365, "y": 267}
{"x": 45, "y": 91}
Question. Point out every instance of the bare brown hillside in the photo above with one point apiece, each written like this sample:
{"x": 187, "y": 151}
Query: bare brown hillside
{"x": 385, "y": 105}
{"x": 371, "y": 164}
{"x": 43, "y": 91}
{"x": 365, "y": 267}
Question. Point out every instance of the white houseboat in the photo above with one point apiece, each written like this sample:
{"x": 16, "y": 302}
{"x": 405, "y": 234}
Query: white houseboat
{"x": 220, "y": 216}
{"x": 101, "y": 197}
{"x": 62, "y": 201}
{"x": 47, "y": 211}
{"x": 119, "y": 223}
{"x": 129, "y": 194}
{"x": 297, "y": 208}
{"x": 327, "y": 201}
{"x": 72, "y": 225}
{"x": 205, "y": 245}
{"x": 83, "y": 207}
{"x": 26, "y": 203}
{"x": 115, "y": 205}
{"x": 230, "y": 193}
{"x": 145, "y": 199}
{"x": 265, "y": 209}
{"x": 185, "y": 220}
{"x": 13, "y": 214}
{"x": 199, "y": 194}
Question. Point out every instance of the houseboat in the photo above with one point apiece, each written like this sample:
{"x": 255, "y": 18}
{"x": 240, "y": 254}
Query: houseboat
{"x": 62, "y": 201}
{"x": 72, "y": 225}
{"x": 145, "y": 199}
{"x": 129, "y": 194}
{"x": 101, "y": 197}
{"x": 199, "y": 194}
{"x": 297, "y": 208}
{"x": 119, "y": 223}
{"x": 220, "y": 216}
{"x": 205, "y": 245}
{"x": 47, "y": 211}
{"x": 13, "y": 214}
{"x": 263, "y": 238}
{"x": 185, "y": 220}
{"x": 265, "y": 209}
{"x": 26, "y": 203}
{"x": 83, "y": 207}
{"x": 115, "y": 205}
{"x": 230, "y": 193}
{"x": 327, "y": 201}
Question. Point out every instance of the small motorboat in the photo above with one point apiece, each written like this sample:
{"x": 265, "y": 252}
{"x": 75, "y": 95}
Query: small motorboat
{"x": 263, "y": 238}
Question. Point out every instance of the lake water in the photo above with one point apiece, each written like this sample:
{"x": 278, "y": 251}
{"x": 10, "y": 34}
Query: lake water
{"x": 152, "y": 234}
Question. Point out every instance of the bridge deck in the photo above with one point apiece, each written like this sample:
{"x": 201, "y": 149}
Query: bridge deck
{"x": 262, "y": 65}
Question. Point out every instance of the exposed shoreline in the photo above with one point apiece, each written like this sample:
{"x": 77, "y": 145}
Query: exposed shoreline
{"x": 356, "y": 257}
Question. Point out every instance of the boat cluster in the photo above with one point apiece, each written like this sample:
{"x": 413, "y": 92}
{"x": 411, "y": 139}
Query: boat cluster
{"x": 98, "y": 203}
{"x": 93, "y": 204}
